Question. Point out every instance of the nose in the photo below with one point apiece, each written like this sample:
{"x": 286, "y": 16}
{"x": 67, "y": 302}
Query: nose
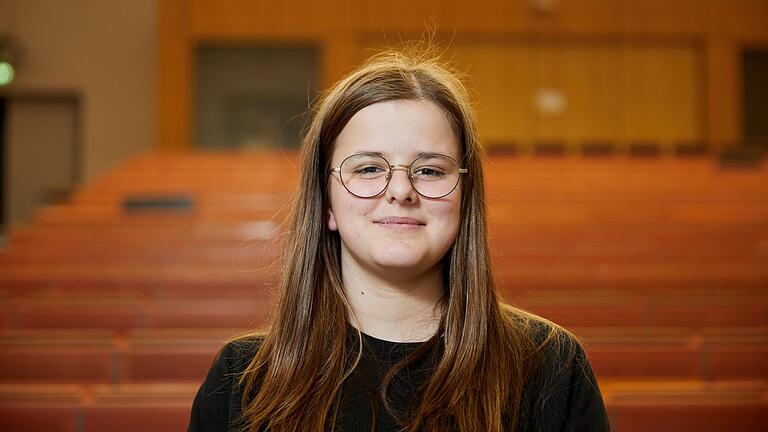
{"x": 400, "y": 187}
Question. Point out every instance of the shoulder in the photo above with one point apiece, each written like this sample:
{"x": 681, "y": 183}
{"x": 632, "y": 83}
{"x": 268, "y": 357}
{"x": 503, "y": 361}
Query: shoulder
{"x": 216, "y": 406}
{"x": 237, "y": 354}
{"x": 548, "y": 342}
{"x": 562, "y": 392}
{"x": 231, "y": 361}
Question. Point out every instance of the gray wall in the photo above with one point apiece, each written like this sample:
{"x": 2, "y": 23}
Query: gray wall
{"x": 39, "y": 163}
{"x": 102, "y": 51}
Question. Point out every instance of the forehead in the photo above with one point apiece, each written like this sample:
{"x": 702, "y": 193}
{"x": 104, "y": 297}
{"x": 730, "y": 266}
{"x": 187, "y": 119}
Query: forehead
{"x": 399, "y": 130}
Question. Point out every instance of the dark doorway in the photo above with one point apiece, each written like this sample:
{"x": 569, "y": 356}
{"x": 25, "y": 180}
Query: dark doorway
{"x": 253, "y": 97}
{"x": 755, "y": 96}
{"x": 40, "y": 153}
{"x": 3, "y": 173}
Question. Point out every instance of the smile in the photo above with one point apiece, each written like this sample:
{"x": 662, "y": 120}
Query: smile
{"x": 397, "y": 222}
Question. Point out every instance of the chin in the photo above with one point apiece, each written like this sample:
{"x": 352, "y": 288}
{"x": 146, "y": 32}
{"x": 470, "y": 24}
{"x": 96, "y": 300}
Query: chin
{"x": 396, "y": 262}
{"x": 395, "y": 257}
{"x": 403, "y": 260}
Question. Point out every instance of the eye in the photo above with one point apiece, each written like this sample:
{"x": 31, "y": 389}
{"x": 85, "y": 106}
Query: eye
{"x": 429, "y": 172}
{"x": 368, "y": 171}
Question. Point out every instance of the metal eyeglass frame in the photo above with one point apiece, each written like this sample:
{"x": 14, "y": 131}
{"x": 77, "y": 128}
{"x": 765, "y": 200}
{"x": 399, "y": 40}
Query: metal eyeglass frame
{"x": 407, "y": 169}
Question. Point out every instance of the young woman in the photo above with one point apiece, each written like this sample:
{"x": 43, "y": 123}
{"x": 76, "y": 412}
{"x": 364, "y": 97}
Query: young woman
{"x": 388, "y": 317}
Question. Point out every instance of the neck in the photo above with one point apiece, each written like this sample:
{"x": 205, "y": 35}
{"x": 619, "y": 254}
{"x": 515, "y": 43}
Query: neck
{"x": 399, "y": 310}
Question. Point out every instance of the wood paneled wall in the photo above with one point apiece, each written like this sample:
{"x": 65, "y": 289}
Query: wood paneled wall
{"x": 612, "y": 92}
{"x": 652, "y": 70}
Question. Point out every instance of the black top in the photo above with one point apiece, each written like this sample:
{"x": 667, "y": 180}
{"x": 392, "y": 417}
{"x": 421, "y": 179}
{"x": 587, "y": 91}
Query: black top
{"x": 562, "y": 395}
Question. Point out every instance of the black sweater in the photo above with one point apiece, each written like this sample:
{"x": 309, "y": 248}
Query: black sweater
{"x": 562, "y": 395}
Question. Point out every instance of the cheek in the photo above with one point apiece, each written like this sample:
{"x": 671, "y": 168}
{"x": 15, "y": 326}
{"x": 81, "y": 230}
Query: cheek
{"x": 449, "y": 216}
{"x": 456, "y": 217}
{"x": 455, "y": 220}
{"x": 349, "y": 213}
{"x": 454, "y": 209}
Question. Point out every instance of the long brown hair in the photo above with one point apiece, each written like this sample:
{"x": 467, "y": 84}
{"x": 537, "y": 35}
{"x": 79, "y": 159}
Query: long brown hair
{"x": 487, "y": 350}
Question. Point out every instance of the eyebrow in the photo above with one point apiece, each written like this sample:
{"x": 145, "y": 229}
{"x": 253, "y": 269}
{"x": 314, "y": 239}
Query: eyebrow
{"x": 418, "y": 155}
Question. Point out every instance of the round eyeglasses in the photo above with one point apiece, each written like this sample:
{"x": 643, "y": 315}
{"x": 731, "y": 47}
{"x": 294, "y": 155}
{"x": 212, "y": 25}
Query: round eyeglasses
{"x": 432, "y": 175}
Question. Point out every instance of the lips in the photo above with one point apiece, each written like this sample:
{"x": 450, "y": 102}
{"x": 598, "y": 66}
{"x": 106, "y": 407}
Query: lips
{"x": 399, "y": 221}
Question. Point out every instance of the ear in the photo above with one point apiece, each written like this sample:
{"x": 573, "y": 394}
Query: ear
{"x": 332, "y": 221}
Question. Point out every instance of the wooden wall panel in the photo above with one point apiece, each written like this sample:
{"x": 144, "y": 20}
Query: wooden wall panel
{"x": 723, "y": 88}
{"x": 584, "y": 17}
{"x": 491, "y": 16}
{"x": 686, "y": 17}
{"x": 263, "y": 18}
{"x": 398, "y": 15}
{"x": 614, "y": 92}
{"x": 345, "y": 29}
{"x": 662, "y": 94}
{"x": 498, "y": 78}
{"x": 174, "y": 75}
{"x": 740, "y": 20}
{"x": 340, "y": 53}
{"x": 236, "y": 18}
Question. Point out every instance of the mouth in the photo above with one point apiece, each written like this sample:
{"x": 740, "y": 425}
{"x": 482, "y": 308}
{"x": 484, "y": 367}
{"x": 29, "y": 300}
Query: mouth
{"x": 399, "y": 222}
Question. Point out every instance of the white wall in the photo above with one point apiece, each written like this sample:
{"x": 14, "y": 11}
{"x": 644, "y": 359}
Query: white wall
{"x": 102, "y": 50}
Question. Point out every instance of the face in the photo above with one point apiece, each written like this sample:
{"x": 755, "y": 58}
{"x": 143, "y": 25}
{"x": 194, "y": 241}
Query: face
{"x": 398, "y": 232}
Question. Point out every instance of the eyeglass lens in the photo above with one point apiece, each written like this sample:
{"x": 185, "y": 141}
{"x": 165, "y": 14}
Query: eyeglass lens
{"x": 367, "y": 175}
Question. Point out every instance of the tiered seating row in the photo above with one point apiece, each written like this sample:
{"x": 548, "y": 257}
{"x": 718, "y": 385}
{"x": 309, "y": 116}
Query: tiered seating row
{"x": 77, "y": 408}
{"x": 110, "y": 317}
{"x": 184, "y": 355}
{"x": 121, "y": 314}
{"x": 166, "y": 306}
{"x": 680, "y": 405}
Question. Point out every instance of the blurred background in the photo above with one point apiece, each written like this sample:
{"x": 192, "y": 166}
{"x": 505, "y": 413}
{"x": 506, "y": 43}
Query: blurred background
{"x": 148, "y": 153}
